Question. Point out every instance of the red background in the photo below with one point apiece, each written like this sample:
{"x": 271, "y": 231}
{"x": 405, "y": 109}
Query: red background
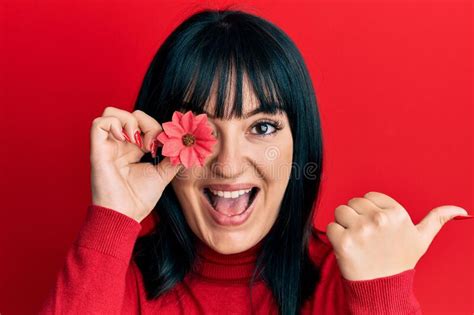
{"x": 393, "y": 81}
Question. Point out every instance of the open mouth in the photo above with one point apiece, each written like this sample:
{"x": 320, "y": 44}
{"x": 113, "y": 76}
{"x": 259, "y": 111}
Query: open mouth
{"x": 219, "y": 202}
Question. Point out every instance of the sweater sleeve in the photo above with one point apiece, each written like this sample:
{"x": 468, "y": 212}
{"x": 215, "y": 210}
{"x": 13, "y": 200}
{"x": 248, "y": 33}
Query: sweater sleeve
{"x": 380, "y": 296}
{"x": 386, "y": 295}
{"x": 97, "y": 275}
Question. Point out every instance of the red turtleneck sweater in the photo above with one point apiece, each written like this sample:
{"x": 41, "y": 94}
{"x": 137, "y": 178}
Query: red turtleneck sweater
{"x": 99, "y": 277}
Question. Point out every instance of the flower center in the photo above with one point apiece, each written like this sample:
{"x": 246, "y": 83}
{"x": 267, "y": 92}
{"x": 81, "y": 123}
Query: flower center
{"x": 188, "y": 140}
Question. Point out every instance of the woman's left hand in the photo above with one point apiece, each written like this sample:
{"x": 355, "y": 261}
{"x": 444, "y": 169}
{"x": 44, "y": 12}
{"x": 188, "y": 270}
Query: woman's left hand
{"x": 374, "y": 236}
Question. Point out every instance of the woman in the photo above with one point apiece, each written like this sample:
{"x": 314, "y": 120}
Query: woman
{"x": 203, "y": 257}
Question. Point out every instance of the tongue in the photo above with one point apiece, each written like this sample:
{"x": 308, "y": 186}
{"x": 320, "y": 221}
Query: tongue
{"x": 231, "y": 206}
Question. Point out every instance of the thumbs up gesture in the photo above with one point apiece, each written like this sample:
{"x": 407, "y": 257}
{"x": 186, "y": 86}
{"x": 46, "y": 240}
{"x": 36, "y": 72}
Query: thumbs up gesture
{"x": 374, "y": 237}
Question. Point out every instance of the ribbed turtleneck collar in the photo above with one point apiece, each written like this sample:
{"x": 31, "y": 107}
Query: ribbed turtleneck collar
{"x": 230, "y": 269}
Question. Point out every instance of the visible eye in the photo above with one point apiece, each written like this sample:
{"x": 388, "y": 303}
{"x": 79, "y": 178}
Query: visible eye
{"x": 266, "y": 128}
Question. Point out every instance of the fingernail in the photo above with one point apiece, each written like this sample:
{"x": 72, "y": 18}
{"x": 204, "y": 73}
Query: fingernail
{"x": 138, "y": 138}
{"x": 126, "y": 136}
{"x": 153, "y": 148}
{"x": 463, "y": 217}
{"x": 158, "y": 142}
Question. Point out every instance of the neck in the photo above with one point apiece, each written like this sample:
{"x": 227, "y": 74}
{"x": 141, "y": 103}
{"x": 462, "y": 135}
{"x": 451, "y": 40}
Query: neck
{"x": 229, "y": 268}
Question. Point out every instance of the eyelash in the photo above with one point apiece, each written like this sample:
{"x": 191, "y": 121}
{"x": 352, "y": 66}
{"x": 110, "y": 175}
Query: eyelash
{"x": 277, "y": 125}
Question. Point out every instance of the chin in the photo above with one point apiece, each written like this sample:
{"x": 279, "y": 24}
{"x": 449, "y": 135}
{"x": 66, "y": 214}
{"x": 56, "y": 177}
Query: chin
{"x": 226, "y": 244}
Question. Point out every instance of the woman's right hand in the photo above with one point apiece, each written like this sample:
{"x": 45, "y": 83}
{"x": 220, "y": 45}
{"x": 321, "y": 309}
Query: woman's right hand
{"x": 118, "y": 182}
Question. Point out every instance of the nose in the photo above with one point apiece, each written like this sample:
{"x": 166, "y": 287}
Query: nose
{"x": 229, "y": 161}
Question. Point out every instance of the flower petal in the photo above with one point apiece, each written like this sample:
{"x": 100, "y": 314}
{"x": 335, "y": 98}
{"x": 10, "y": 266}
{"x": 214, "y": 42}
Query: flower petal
{"x": 204, "y": 132}
{"x": 173, "y": 130}
{"x": 176, "y": 118}
{"x": 174, "y": 160}
{"x": 207, "y": 144}
{"x": 172, "y": 147}
{"x": 188, "y": 157}
{"x": 202, "y": 160}
{"x": 187, "y": 121}
{"x": 162, "y": 137}
{"x": 203, "y": 149}
{"x": 199, "y": 119}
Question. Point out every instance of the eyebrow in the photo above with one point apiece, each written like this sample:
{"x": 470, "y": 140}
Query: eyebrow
{"x": 247, "y": 115}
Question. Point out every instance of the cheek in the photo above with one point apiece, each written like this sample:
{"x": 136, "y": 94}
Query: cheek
{"x": 183, "y": 188}
{"x": 183, "y": 184}
{"x": 274, "y": 162}
{"x": 180, "y": 182}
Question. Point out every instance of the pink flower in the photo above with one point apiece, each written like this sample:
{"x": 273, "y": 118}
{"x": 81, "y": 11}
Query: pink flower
{"x": 187, "y": 139}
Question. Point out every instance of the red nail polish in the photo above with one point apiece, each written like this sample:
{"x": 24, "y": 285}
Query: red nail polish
{"x": 158, "y": 142}
{"x": 138, "y": 138}
{"x": 126, "y": 136}
{"x": 463, "y": 217}
{"x": 153, "y": 148}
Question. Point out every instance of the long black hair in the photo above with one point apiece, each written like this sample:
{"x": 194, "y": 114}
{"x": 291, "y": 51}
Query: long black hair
{"x": 217, "y": 46}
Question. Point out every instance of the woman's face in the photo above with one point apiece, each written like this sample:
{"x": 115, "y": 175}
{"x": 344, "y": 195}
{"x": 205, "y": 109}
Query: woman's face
{"x": 248, "y": 151}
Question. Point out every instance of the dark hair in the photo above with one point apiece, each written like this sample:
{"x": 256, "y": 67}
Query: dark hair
{"x": 208, "y": 47}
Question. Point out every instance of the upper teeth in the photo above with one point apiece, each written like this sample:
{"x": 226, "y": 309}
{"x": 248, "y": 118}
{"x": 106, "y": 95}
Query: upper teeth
{"x": 230, "y": 194}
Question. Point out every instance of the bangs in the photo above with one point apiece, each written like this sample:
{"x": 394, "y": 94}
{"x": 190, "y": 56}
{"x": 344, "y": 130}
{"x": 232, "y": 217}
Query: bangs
{"x": 221, "y": 70}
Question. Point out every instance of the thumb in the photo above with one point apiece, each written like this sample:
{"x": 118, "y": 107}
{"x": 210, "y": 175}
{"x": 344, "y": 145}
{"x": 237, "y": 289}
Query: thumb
{"x": 167, "y": 171}
{"x": 432, "y": 223}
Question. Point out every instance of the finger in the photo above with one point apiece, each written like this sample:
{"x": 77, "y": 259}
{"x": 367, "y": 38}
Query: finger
{"x": 166, "y": 170}
{"x": 150, "y": 128}
{"x": 432, "y": 223}
{"x": 104, "y": 126}
{"x": 363, "y": 206}
{"x": 334, "y": 232}
{"x": 345, "y": 216}
{"x": 129, "y": 123}
{"x": 381, "y": 200}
